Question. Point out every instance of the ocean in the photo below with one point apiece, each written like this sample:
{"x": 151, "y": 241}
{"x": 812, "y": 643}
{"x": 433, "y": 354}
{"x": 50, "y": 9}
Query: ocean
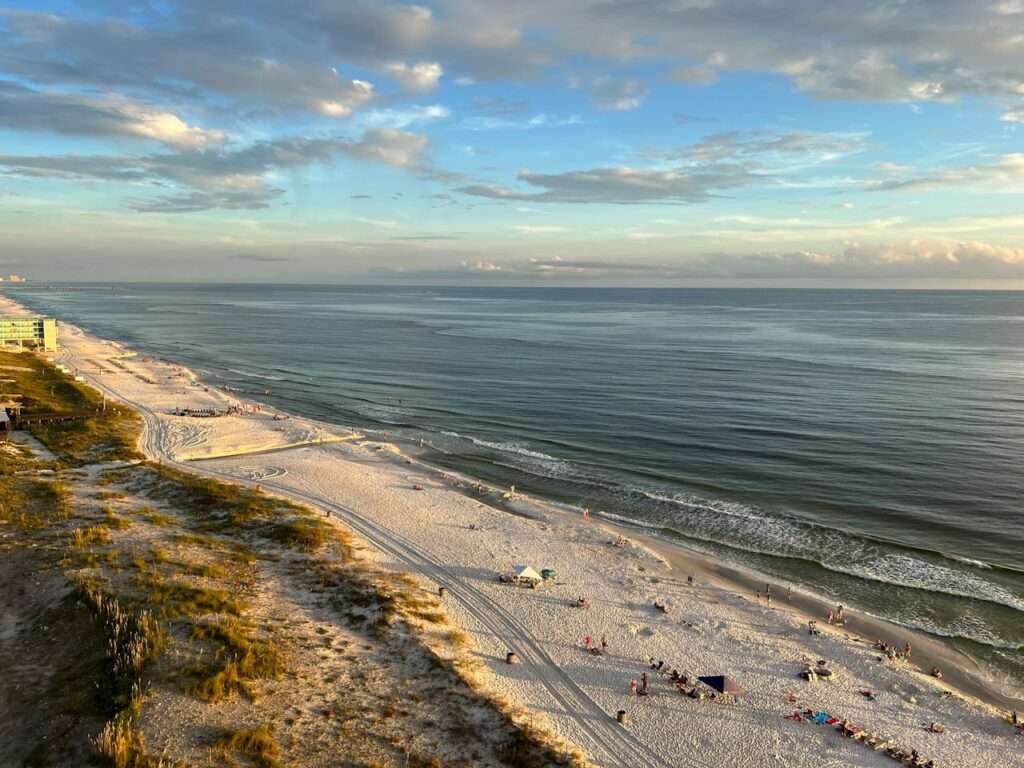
{"x": 866, "y": 444}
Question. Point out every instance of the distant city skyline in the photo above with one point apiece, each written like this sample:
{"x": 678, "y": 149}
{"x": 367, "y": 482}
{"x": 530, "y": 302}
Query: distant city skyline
{"x": 663, "y": 142}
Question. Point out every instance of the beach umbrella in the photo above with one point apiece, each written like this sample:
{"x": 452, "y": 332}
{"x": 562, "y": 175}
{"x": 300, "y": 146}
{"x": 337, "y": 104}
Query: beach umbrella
{"x": 724, "y": 684}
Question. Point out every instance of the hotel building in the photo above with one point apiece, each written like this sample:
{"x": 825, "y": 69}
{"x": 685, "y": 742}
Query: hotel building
{"x": 35, "y": 332}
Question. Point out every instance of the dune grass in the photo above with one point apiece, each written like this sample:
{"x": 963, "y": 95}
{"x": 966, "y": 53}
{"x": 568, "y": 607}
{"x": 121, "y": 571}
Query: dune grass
{"x": 243, "y": 658}
{"x": 175, "y": 597}
{"x": 257, "y": 744}
{"x": 96, "y": 535}
{"x": 33, "y": 503}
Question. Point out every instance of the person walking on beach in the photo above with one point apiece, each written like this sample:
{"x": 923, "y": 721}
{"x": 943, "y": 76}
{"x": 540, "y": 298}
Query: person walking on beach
{"x": 632, "y": 687}
{"x": 789, "y": 594}
{"x": 588, "y": 642}
{"x": 906, "y": 650}
{"x": 643, "y": 685}
{"x": 840, "y": 617}
{"x": 604, "y": 644}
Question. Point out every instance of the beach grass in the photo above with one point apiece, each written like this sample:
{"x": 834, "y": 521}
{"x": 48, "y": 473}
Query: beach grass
{"x": 257, "y": 743}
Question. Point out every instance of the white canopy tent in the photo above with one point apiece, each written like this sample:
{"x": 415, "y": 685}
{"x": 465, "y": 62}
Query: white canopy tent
{"x": 525, "y": 573}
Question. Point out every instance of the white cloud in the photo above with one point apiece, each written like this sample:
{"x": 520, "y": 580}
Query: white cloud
{"x": 704, "y": 73}
{"x": 914, "y": 259}
{"x": 872, "y": 50}
{"x": 24, "y": 108}
{"x": 403, "y": 118}
{"x": 390, "y": 146}
{"x": 612, "y": 94}
{"x": 641, "y": 235}
{"x": 820, "y": 147}
{"x": 537, "y": 229}
{"x": 1010, "y": 8}
{"x": 1006, "y": 173}
{"x": 1013, "y": 115}
{"x": 540, "y": 120}
{"x": 481, "y": 265}
{"x": 891, "y": 167}
{"x": 621, "y": 185}
{"x": 356, "y": 95}
{"x": 701, "y": 170}
{"x": 418, "y": 78}
{"x": 168, "y": 128}
{"x": 233, "y": 179}
{"x": 381, "y": 223}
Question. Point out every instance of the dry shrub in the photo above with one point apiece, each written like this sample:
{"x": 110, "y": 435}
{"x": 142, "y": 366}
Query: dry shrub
{"x": 258, "y": 744}
{"x": 306, "y": 533}
{"x": 248, "y": 658}
{"x": 96, "y": 535}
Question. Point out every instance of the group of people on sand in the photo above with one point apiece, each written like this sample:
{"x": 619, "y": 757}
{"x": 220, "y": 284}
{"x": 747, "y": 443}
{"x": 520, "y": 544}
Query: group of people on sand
{"x": 591, "y": 647}
{"x": 838, "y": 617}
{"x": 198, "y": 413}
{"x": 639, "y": 690}
{"x": 851, "y": 731}
{"x": 897, "y": 653}
{"x": 681, "y": 681}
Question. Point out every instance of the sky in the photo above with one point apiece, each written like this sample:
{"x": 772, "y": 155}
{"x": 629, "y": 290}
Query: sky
{"x": 566, "y": 142}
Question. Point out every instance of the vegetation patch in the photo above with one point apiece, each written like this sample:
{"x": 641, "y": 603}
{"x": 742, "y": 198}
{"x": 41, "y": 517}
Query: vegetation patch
{"x": 257, "y": 744}
{"x": 106, "y": 432}
{"x": 175, "y": 597}
{"x": 96, "y": 535}
{"x": 243, "y": 659}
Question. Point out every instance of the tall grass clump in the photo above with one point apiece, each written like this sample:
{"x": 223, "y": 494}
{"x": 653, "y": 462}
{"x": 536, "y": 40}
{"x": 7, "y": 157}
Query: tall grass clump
{"x": 258, "y": 744}
{"x": 133, "y": 638}
{"x": 245, "y": 658}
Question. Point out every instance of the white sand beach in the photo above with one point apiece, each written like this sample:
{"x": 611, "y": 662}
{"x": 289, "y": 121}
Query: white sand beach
{"x": 441, "y": 529}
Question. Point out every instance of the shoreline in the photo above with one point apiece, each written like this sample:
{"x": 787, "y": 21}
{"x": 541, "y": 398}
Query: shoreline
{"x": 746, "y": 582}
{"x": 717, "y": 583}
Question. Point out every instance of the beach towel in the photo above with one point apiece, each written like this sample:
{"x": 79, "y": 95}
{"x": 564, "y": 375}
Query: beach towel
{"x": 821, "y": 717}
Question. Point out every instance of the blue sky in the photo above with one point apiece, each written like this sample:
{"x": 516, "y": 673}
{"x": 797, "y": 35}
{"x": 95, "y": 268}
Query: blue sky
{"x": 639, "y": 142}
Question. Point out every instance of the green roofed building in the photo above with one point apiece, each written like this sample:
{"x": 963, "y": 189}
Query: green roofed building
{"x": 35, "y": 332}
